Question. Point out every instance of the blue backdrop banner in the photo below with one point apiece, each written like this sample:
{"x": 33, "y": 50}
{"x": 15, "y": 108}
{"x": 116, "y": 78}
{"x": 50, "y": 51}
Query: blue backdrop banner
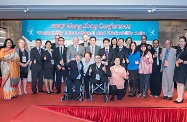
{"x": 46, "y": 29}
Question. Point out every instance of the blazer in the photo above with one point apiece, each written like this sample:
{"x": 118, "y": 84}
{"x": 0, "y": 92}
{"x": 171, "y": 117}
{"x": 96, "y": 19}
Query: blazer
{"x": 111, "y": 55}
{"x": 82, "y": 44}
{"x": 47, "y": 62}
{"x": 155, "y": 58}
{"x": 103, "y": 75}
{"x": 71, "y": 51}
{"x": 171, "y": 61}
{"x": 97, "y": 48}
{"x": 34, "y": 54}
{"x": 54, "y": 46}
{"x": 57, "y": 57}
{"x": 122, "y": 54}
{"x": 73, "y": 73}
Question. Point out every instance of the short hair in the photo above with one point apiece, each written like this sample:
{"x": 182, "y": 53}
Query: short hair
{"x": 144, "y": 36}
{"x": 61, "y": 38}
{"x": 38, "y": 40}
{"x": 182, "y": 37}
{"x": 98, "y": 55}
{"x": 121, "y": 39}
{"x": 156, "y": 40}
{"x": 93, "y": 37}
{"x": 48, "y": 42}
{"x": 106, "y": 39}
{"x": 78, "y": 54}
{"x": 84, "y": 34}
{"x": 8, "y": 39}
{"x": 57, "y": 35}
{"x": 128, "y": 38}
{"x": 88, "y": 53}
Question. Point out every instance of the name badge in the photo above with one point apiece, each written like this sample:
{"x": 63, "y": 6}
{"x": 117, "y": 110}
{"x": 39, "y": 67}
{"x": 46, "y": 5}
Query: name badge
{"x": 97, "y": 77}
{"x": 24, "y": 59}
{"x": 52, "y": 62}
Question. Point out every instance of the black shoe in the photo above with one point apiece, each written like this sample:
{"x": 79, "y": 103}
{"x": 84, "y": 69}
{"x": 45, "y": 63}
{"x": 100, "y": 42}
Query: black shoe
{"x": 63, "y": 99}
{"x": 58, "y": 92}
{"x": 175, "y": 101}
{"x": 169, "y": 98}
{"x": 70, "y": 97}
{"x": 112, "y": 98}
{"x": 51, "y": 91}
{"x": 14, "y": 96}
{"x": 35, "y": 92}
{"x": 77, "y": 97}
{"x": 41, "y": 91}
{"x": 87, "y": 96}
{"x": 164, "y": 97}
{"x": 48, "y": 92}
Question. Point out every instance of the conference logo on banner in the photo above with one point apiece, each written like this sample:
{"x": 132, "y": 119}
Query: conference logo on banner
{"x": 47, "y": 29}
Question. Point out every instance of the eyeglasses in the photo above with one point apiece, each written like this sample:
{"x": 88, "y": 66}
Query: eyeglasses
{"x": 97, "y": 58}
{"x": 155, "y": 43}
{"x": 60, "y": 40}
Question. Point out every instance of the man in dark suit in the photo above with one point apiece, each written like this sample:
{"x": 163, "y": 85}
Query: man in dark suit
{"x": 93, "y": 48}
{"x": 122, "y": 52}
{"x": 156, "y": 76}
{"x": 75, "y": 76}
{"x": 144, "y": 41}
{"x": 85, "y": 40}
{"x": 55, "y": 45}
{"x": 60, "y": 62}
{"x": 108, "y": 54}
{"x": 97, "y": 72}
{"x": 37, "y": 66}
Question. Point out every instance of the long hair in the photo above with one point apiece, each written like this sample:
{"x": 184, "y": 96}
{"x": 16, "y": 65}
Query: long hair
{"x": 8, "y": 39}
{"x": 135, "y": 50}
{"x": 111, "y": 45}
{"x": 146, "y": 50}
{"x": 185, "y": 46}
{"x": 22, "y": 39}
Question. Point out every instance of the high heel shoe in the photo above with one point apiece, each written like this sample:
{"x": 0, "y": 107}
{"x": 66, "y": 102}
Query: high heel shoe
{"x": 175, "y": 101}
{"x": 48, "y": 92}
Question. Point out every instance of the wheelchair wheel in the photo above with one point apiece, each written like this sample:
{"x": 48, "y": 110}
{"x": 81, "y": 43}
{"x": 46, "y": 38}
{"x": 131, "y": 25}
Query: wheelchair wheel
{"x": 105, "y": 98}
{"x": 90, "y": 91}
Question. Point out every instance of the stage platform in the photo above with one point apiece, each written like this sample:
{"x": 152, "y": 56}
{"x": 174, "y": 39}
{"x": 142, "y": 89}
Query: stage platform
{"x": 135, "y": 109}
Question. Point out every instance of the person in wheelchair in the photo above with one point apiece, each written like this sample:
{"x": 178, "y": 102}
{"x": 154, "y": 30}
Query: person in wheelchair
{"x": 75, "y": 77}
{"x": 98, "y": 73}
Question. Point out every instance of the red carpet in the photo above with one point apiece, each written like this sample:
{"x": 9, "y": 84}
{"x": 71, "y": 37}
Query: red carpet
{"x": 11, "y": 109}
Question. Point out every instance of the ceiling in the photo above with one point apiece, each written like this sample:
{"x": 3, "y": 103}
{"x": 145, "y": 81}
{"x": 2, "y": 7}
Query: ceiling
{"x": 130, "y": 12}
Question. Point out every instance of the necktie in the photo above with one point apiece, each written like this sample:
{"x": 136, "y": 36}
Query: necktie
{"x": 61, "y": 52}
{"x": 93, "y": 51}
{"x": 106, "y": 52}
{"x": 39, "y": 50}
{"x": 78, "y": 66}
{"x": 119, "y": 49}
{"x": 76, "y": 49}
{"x": 166, "y": 56}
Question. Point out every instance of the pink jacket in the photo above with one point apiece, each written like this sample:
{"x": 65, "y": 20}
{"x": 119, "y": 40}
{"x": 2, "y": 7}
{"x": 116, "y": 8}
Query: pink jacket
{"x": 118, "y": 77}
{"x": 145, "y": 66}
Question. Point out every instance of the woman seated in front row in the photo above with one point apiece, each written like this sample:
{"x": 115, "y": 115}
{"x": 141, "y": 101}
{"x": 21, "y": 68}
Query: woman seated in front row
{"x": 117, "y": 79}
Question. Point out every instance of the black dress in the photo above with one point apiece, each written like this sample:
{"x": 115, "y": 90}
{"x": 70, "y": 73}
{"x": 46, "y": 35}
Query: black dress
{"x": 180, "y": 72}
{"x": 48, "y": 65}
{"x": 24, "y": 57}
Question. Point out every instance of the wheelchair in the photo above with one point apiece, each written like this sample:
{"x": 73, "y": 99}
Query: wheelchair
{"x": 104, "y": 88}
{"x": 65, "y": 96}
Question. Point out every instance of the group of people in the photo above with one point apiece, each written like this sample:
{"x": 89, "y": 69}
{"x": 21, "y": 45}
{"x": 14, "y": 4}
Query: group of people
{"x": 141, "y": 66}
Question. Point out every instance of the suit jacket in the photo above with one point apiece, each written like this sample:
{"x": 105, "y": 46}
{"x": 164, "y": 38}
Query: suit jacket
{"x": 73, "y": 73}
{"x": 34, "y": 54}
{"x": 97, "y": 48}
{"x": 171, "y": 61}
{"x": 71, "y": 51}
{"x": 47, "y": 62}
{"x": 57, "y": 57}
{"x": 103, "y": 75}
{"x": 54, "y": 46}
{"x": 111, "y": 55}
{"x": 82, "y": 44}
{"x": 122, "y": 54}
{"x": 155, "y": 58}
